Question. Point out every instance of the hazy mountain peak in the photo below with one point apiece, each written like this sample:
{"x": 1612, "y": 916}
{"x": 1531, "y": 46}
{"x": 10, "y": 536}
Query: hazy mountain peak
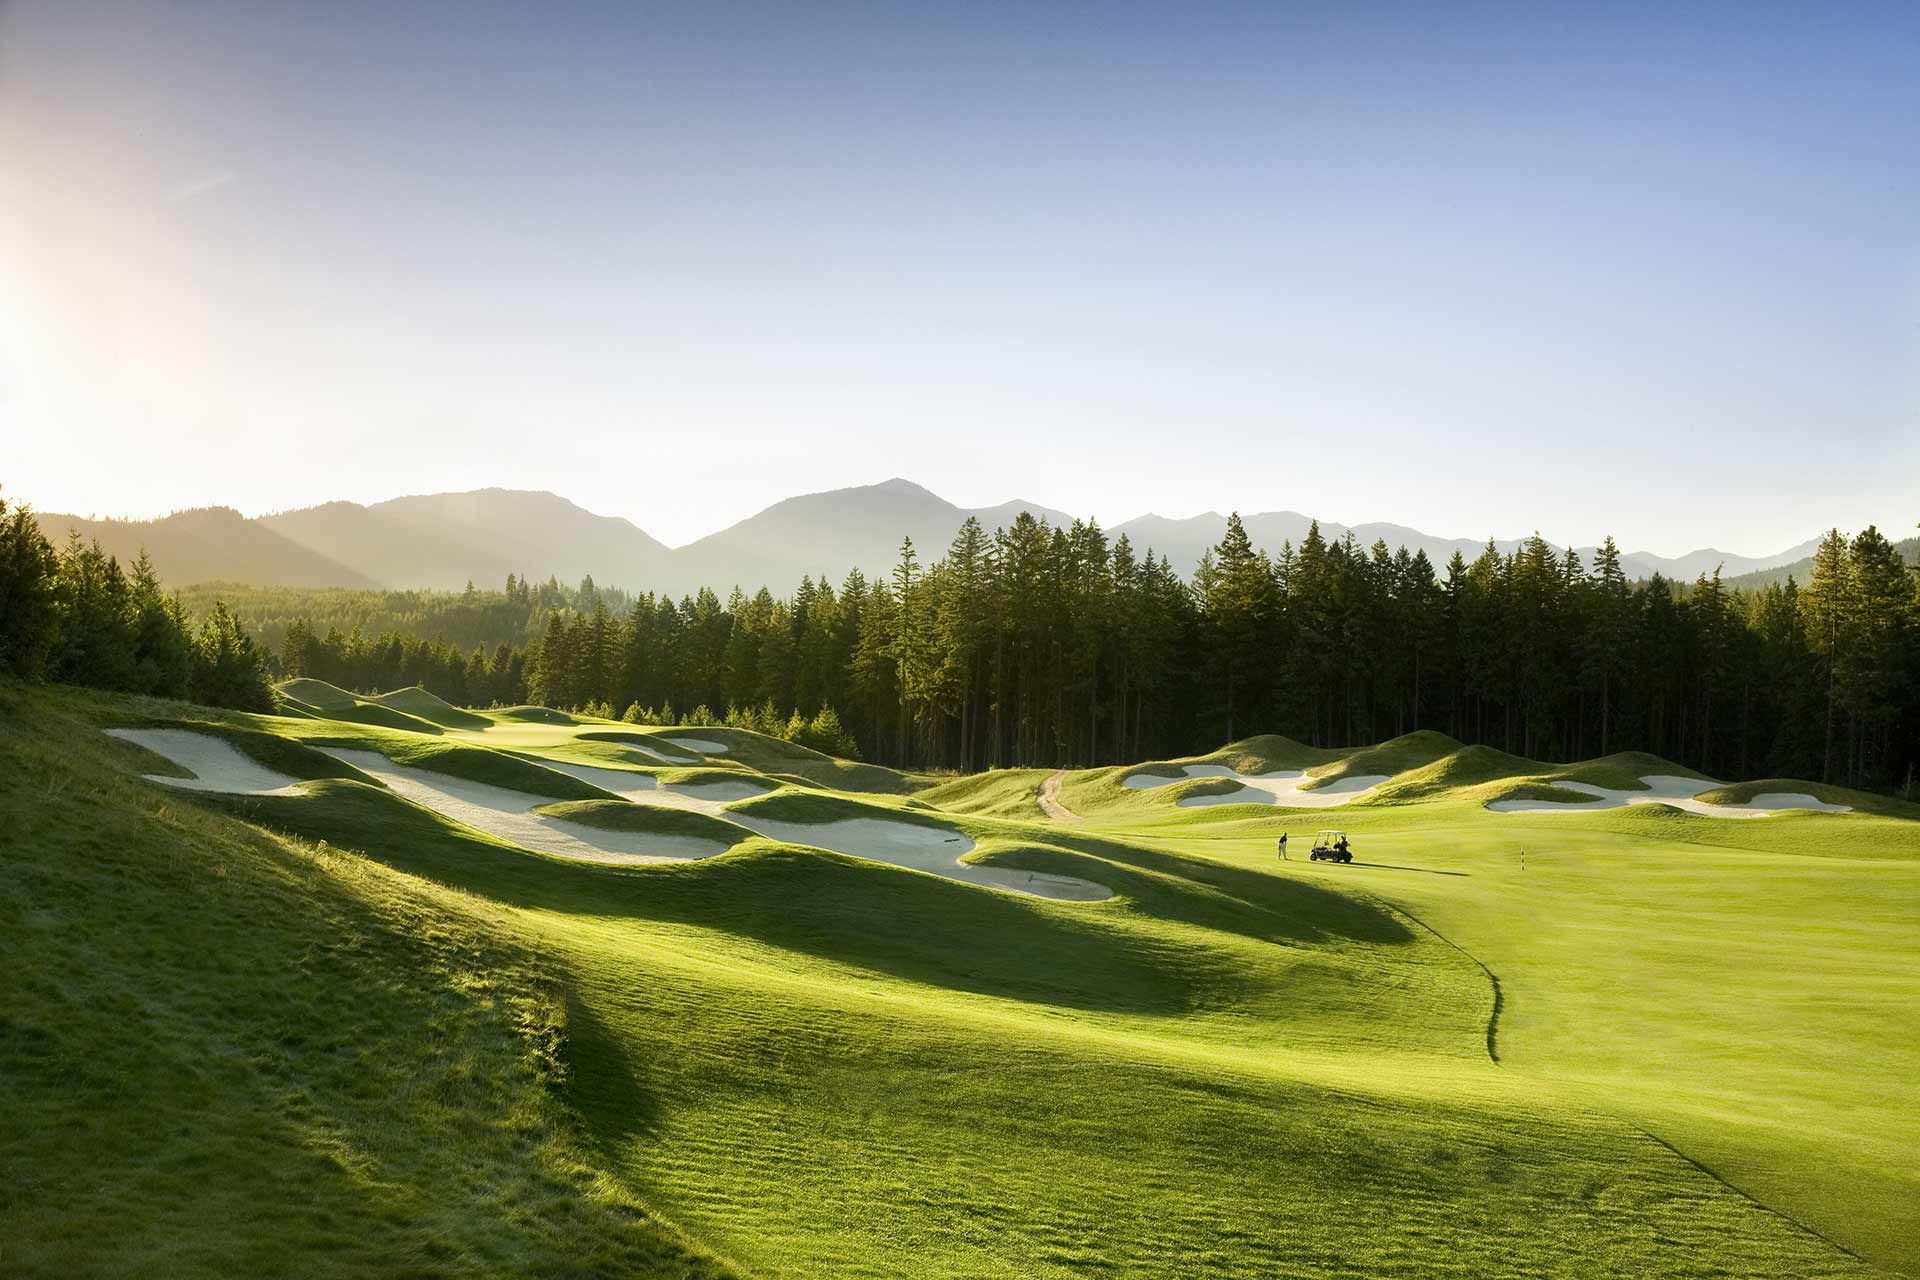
{"x": 445, "y": 539}
{"x": 900, "y": 485}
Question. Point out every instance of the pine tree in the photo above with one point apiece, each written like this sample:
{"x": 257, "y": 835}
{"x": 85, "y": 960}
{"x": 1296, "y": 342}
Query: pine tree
{"x": 162, "y": 645}
{"x": 226, "y": 668}
{"x": 1827, "y": 617}
{"x": 28, "y": 609}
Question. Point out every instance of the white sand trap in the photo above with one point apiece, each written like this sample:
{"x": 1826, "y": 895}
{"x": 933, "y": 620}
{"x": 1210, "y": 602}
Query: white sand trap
{"x": 1780, "y": 801}
{"x": 1675, "y": 792}
{"x": 918, "y": 848}
{"x": 502, "y": 812}
{"x": 216, "y": 765}
{"x": 903, "y": 844}
{"x": 705, "y": 746}
{"x": 1281, "y": 787}
{"x": 642, "y": 788}
{"x": 661, "y": 756}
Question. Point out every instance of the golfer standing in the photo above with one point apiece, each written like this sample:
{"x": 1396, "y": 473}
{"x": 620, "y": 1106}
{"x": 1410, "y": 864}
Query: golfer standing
{"x": 1283, "y": 846}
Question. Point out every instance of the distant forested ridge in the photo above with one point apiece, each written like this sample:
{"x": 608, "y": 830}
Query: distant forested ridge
{"x": 1052, "y": 646}
{"x": 515, "y": 616}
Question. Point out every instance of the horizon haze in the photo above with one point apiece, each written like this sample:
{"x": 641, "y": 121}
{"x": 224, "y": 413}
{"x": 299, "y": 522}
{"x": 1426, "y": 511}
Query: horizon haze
{"x": 480, "y": 536}
{"x": 1506, "y": 268}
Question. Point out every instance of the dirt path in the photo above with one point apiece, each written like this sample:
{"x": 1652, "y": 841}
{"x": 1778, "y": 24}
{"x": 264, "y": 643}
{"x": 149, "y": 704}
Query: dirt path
{"x": 1049, "y": 798}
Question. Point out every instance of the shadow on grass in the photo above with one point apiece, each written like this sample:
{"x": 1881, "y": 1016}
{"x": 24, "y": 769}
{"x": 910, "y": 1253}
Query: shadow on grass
{"x": 1430, "y": 871}
{"x": 867, "y": 914}
{"x": 600, "y": 1067}
{"x": 1255, "y": 904}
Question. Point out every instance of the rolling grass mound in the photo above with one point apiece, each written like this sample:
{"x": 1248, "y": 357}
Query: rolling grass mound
{"x": 1621, "y": 771}
{"x": 270, "y": 750}
{"x": 1264, "y": 753}
{"x": 316, "y": 699}
{"x": 1103, "y": 793}
{"x": 1509, "y": 789}
{"x": 415, "y": 701}
{"x": 792, "y": 780}
{"x": 317, "y": 694}
{"x": 225, "y": 1052}
{"x": 1459, "y": 770}
{"x": 776, "y": 756}
{"x": 635, "y": 739}
{"x": 706, "y": 775}
{"x": 822, "y": 806}
{"x": 428, "y": 1052}
{"x": 1861, "y": 801}
{"x": 1399, "y": 755}
{"x": 385, "y": 717}
{"x": 620, "y": 815}
{"x": 998, "y": 793}
{"x": 478, "y": 764}
{"x": 536, "y": 715}
{"x": 1174, "y": 793}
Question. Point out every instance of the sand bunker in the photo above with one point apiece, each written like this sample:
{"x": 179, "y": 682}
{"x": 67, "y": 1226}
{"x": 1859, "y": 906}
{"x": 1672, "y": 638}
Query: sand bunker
{"x": 216, "y": 765}
{"x": 661, "y": 756}
{"x": 1281, "y": 787}
{"x": 494, "y": 810}
{"x": 1675, "y": 792}
{"x": 1779, "y": 801}
{"x": 902, "y": 844}
{"x": 502, "y": 812}
{"x": 931, "y": 849}
{"x": 705, "y": 746}
{"x": 508, "y": 814}
{"x": 642, "y": 788}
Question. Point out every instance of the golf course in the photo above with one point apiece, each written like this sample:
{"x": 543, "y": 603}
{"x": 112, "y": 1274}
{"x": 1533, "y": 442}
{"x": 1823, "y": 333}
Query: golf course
{"x": 377, "y": 984}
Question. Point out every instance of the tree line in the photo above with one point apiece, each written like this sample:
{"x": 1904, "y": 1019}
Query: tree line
{"x": 75, "y": 616}
{"x": 1056, "y": 647}
{"x": 485, "y": 616}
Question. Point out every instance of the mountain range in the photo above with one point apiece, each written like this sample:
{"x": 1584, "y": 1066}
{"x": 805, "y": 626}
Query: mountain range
{"x": 446, "y": 540}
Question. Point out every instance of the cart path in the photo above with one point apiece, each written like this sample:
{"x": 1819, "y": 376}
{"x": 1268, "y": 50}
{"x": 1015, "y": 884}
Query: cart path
{"x": 1049, "y": 798}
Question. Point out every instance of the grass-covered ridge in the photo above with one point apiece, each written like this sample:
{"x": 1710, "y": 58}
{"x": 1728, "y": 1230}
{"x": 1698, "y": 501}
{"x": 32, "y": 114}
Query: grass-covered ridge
{"x": 272, "y": 750}
{"x": 415, "y": 701}
{"x": 619, "y": 815}
{"x": 1397, "y": 756}
{"x": 999, "y": 793}
{"x": 475, "y": 764}
{"x": 771, "y": 755}
{"x": 818, "y": 806}
{"x": 1235, "y": 1065}
{"x": 1861, "y": 801}
{"x": 224, "y": 1052}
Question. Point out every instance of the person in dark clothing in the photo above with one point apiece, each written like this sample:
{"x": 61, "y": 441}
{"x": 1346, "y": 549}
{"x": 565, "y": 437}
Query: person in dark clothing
{"x": 1283, "y": 846}
{"x": 1340, "y": 846}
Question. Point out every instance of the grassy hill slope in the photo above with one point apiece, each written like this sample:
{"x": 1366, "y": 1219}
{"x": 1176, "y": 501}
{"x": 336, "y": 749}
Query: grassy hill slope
{"x": 814, "y": 1064}
{"x": 224, "y": 1052}
{"x": 1743, "y": 989}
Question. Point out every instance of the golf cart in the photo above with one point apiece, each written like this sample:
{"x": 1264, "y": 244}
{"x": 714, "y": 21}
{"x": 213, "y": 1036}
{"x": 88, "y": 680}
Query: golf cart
{"x": 1331, "y": 846}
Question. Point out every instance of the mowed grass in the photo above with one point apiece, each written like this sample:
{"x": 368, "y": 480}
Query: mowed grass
{"x": 774, "y": 1043}
{"x": 225, "y": 1053}
{"x": 1748, "y": 990}
{"x": 822, "y": 1066}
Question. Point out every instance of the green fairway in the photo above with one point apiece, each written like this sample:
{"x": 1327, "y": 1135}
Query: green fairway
{"x": 1696, "y": 1060}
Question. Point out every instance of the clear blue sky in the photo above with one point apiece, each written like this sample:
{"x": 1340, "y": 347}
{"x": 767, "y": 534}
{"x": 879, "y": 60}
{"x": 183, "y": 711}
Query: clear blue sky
{"x": 1477, "y": 268}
